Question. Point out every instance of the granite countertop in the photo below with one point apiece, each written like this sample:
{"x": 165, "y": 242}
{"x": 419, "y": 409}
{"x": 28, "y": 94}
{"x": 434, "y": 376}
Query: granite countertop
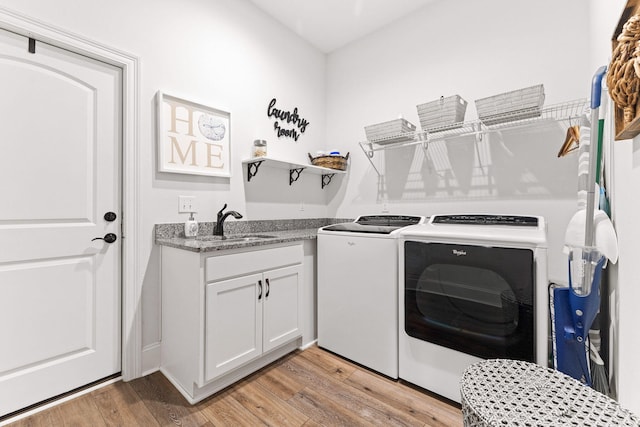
{"x": 236, "y": 241}
{"x": 242, "y": 234}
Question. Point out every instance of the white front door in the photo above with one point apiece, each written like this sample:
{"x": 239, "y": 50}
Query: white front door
{"x": 60, "y": 157}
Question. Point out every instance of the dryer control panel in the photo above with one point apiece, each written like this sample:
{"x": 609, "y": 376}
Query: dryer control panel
{"x": 514, "y": 220}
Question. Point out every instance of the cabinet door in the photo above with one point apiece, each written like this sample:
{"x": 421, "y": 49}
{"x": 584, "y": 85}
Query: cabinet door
{"x": 281, "y": 307}
{"x": 233, "y": 325}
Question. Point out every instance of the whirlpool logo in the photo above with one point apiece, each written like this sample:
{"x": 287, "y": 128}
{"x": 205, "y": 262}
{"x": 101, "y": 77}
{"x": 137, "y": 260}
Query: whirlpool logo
{"x": 459, "y": 252}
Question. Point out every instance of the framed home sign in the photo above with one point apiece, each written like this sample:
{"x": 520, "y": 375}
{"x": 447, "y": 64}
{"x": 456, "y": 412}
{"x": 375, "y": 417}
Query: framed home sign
{"x": 192, "y": 138}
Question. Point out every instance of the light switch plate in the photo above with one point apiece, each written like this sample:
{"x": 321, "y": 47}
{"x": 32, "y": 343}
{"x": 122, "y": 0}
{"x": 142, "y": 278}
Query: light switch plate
{"x": 186, "y": 204}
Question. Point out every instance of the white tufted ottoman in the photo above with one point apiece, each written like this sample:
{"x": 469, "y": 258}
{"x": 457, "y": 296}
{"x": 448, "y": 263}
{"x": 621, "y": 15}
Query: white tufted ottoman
{"x": 502, "y": 392}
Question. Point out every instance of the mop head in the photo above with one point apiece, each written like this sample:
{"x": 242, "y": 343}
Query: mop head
{"x": 599, "y": 376}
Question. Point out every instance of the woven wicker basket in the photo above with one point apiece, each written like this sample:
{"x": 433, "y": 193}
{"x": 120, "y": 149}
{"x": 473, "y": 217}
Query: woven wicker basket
{"x": 331, "y": 162}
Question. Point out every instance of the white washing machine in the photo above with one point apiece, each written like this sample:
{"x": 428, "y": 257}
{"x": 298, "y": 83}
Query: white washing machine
{"x": 358, "y": 290}
{"x": 471, "y": 287}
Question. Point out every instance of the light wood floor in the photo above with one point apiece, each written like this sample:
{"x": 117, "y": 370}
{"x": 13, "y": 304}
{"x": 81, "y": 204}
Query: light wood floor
{"x": 306, "y": 388}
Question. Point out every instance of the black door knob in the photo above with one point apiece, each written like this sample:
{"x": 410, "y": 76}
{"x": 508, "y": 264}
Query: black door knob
{"x": 109, "y": 238}
{"x": 110, "y": 216}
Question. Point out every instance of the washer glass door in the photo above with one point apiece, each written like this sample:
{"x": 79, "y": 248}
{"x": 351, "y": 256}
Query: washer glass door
{"x": 474, "y": 299}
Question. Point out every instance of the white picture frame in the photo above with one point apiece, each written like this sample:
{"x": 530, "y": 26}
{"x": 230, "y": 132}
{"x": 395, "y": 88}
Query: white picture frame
{"x": 193, "y": 138}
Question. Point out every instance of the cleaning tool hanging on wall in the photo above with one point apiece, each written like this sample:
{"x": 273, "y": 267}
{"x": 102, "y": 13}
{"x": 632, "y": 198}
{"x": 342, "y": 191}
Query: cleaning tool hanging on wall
{"x": 575, "y": 307}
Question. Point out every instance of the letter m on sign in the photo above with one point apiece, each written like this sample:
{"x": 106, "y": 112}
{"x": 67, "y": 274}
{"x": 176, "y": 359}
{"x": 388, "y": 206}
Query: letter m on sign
{"x": 175, "y": 149}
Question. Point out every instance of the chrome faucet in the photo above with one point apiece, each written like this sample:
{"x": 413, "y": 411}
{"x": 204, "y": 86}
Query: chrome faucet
{"x": 218, "y": 230}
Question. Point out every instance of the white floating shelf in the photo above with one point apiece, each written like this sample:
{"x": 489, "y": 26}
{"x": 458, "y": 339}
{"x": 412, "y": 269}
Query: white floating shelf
{"x": 295, "y": 169}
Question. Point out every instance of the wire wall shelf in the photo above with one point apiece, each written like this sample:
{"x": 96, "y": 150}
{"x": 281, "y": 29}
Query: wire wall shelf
{"x": 568, "y": 112}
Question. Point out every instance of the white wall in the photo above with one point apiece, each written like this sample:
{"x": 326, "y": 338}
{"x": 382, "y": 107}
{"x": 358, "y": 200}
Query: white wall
{"x": 491, "y": 47}
{"x": 626, "y": 206}
{"x": 474, "y": 49}
{"x": 625, "y": 181}
{"x": 222, "y": 53}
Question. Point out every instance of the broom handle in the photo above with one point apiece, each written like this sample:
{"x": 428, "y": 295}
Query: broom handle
{"x": 596, "y": 92}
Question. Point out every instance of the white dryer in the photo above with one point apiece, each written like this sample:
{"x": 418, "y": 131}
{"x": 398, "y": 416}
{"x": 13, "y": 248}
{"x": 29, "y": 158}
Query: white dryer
{"x": 358, "y": 290}
{"x": 471, "y": 287}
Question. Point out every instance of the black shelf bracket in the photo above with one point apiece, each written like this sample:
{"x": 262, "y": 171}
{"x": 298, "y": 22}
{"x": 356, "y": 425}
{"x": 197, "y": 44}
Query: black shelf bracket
{"x": 326, "y": 179}
{"x": 252, "y": 169}
{"x": 297, "y": 172}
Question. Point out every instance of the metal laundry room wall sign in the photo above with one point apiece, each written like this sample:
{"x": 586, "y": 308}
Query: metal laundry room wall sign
{"x": 287, "y": 118}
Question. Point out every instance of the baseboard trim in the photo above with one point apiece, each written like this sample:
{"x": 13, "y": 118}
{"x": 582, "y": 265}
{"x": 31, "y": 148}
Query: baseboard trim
{"x": 150, "y": 359}
{"x": 309, "y": 344}
{"x": 195, "y": 394}
{"x": 59, "y": 401}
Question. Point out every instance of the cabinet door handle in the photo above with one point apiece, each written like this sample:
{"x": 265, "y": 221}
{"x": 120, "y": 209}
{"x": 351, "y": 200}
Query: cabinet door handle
{"x": 260, "y": 291}
{"x": 268, "y": 289}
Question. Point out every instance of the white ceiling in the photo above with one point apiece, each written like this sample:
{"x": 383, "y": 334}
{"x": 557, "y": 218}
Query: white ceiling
{"x": 331, "y": 24}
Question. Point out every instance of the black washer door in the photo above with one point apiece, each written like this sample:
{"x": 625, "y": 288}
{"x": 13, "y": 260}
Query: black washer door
{"x": 474, "y": 299}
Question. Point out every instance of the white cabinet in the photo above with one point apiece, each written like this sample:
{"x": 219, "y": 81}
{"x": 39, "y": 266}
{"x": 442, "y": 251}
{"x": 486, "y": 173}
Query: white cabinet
{"x": 228, "y": 314}
{"x": 233, "y": 334}
{"x": 280, "y": 322}
{"x": 250, "y": 315}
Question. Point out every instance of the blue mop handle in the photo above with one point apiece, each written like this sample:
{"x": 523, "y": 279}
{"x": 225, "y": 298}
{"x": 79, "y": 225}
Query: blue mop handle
{"x": 596, "y": 87}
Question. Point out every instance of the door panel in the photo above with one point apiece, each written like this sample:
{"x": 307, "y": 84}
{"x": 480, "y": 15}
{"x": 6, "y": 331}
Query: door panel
{"x": 357, "y": 299}
{"x": 59, "y": 174}
{"x": 281, "y": 306}
{"x": 59, "y": 319}
{"x": 233, "y": 330}
{"x": 38, "y": 167}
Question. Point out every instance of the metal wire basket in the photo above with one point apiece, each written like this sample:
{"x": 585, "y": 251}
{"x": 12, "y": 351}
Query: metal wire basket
{"x": 390, "y": 131}
{"x": 511, "y": 106}
{"x": 442, "y": 114}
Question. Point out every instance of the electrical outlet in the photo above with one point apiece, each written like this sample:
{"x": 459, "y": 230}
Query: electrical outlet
{"x": 186, "y": 204}
{"x": 385, "y": 208}
{"x": 301, "y": 206}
